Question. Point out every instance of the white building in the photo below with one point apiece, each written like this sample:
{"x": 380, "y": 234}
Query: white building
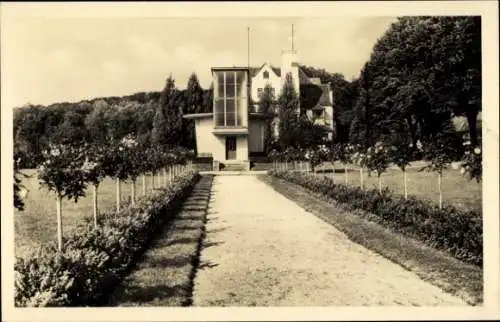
{"x": 236, "y": 129}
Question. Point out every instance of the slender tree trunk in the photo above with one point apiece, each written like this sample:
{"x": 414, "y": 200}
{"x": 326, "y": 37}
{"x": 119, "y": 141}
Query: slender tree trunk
{"x": 165, "y": 177}
{"x": 59, "y": 223}
{"x": 405, "y": 184}
{"x": 361, "y": 177}
{"x": 152, "y": 181}
{"x": 379, "y": 182}
{"x": 286, "y": 165}
{"x": 170, "y": 175}
{"x": 95, "y": 204}
{"x": 143, "y": 184}
{"x": 132, "y": 192}
{"x": 346, "y": 174}
{"x": 118, "y": 194}
{"x": 440, "y": 190}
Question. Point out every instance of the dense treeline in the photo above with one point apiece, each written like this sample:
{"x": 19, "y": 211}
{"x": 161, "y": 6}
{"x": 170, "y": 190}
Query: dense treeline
{"x": 422, "y": 72}
{"x": 109, "y": 118}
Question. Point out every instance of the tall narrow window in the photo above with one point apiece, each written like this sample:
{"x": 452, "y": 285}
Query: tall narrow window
{"x": 230, "y": 95}
{"x": 266, "y": 74}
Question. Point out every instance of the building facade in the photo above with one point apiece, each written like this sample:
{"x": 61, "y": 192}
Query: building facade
{"x": 236, "y": 129}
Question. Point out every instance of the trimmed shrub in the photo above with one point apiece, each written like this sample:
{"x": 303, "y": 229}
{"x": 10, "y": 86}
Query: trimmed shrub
{"x": 94, "y": 260}
{"x": 460, "y": 233}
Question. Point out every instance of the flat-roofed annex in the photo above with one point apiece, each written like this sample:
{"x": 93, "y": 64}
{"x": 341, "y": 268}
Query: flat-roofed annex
{"x": 230, "y": 68}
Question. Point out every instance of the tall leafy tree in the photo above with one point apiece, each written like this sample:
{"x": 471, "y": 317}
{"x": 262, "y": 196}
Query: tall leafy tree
{"x": 98, "y": 121}
{"x": 72, "y": 129}
{"x": 343, "y": 111}
{"x": 145, "y": 116}
{"x": 429, "y": 68}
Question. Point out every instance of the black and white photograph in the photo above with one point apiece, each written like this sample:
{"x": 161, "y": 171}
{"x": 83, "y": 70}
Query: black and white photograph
{"x": 276, "y": 157}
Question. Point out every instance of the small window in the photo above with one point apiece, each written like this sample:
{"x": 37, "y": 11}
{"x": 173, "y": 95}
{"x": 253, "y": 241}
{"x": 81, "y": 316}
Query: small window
{"x": 266, "y": 74}
{"x": 273, "y": 92}
{"x": 259, "y": 92}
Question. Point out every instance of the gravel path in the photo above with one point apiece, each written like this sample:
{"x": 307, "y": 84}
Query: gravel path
{"x": 262, "y": 249}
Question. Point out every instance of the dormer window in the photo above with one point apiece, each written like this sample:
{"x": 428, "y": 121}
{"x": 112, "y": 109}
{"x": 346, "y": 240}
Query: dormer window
{"x": 266, "y": 75}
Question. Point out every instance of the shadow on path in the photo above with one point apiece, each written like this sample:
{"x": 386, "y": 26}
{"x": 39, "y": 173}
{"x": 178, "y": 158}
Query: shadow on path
{"x": 165, "y": 275}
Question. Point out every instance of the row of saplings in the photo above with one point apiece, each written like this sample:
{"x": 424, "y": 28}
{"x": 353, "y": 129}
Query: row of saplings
{"x": 81, "y": 269}
{"x": 378, "y": 158}
{"x": 445, "y": 227}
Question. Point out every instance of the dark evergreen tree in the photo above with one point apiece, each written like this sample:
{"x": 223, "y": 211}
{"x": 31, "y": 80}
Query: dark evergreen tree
{"x": 267, "y": 104}
{"x": 288, "y": 114}
{"x": 194, "y": 95}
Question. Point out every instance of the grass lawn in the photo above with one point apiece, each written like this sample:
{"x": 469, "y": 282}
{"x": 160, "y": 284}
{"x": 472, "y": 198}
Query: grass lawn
{"x": 37, "y": 223}
{"x": 458, "y": 190}
{"x": 165, "y": 274}
{"x": 436, "y": 267}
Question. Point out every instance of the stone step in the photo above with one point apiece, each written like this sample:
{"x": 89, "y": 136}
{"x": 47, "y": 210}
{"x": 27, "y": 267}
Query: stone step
{"x": 233, "y": 167}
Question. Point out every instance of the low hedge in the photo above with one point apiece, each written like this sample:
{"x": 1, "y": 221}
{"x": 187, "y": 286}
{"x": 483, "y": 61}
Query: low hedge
{"x": 460, "y": 233}
{"x": 94, "y": 260}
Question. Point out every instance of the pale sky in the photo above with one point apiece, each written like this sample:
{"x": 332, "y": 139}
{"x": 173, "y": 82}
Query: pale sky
{"x": 55, "y": 59}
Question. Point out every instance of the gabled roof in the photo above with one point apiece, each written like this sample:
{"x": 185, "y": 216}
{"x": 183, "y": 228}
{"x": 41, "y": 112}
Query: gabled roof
{"x": 325, "y": 100}
{"x": 303, "y": 78}
{"x": 276, "y": 70}
{"x": 255, "y": 70}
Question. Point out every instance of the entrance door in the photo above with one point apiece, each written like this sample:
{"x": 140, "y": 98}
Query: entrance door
{"x": 230, "y": 147}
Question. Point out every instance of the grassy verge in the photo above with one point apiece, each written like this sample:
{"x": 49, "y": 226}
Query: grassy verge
{"x": 436, "y": 267}
{"x": 164, "y": 276}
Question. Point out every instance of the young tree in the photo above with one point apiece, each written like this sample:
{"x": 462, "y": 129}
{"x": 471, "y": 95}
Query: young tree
{"x": 377, "y": 159}
{"x": 95, "y": 172}
{"x": 62, "y": 172}
{"x": 117, "y": 164}
{"x": 133, "y": 159}
{"x": 442, "y": 149}
{"x": 288, "y": 114}
{"x": 472, "y": 163}
{"x": 359, "y": 158}
{"x": 401, "y": 149}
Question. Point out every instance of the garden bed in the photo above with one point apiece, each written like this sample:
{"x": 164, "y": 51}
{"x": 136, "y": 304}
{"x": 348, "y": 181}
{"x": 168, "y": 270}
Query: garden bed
{"x": 95, "y": 260}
